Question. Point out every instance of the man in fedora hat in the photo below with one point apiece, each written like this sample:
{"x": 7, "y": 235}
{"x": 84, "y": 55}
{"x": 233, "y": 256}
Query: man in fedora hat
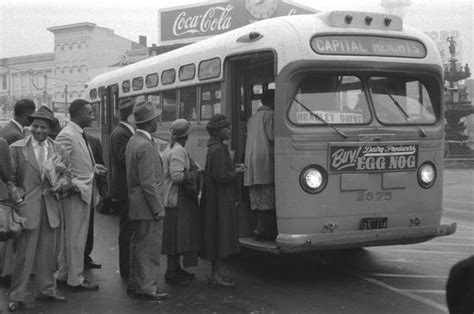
{"x": 36, "y": 245}
{"x": 146, "y": 209}
{"x": 118, "y": 142}
{"x": 77, "y": 206}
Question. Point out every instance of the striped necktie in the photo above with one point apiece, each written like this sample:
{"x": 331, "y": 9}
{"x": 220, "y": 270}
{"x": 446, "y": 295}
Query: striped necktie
{"x": 41, "y": 157}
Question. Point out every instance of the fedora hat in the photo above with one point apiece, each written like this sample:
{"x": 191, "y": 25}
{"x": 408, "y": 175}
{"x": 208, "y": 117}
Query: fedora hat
{"x": 43, "y": 113}
{"x": 180, "y": 128}
{"x": 125, "y": 108}
{"x": 143, "y": 112}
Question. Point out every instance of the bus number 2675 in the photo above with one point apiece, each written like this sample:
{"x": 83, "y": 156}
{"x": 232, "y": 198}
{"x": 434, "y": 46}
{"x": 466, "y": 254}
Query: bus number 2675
{"x": 374, "y": 196}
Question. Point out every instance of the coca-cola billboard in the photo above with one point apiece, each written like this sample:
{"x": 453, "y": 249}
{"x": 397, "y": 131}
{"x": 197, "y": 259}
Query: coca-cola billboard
{"x": 195, "y": 22}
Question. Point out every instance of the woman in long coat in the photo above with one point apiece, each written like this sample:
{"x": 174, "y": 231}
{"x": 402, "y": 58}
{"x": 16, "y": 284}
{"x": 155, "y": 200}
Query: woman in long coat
{"x": 219, "y": 216}
{"x": 181, "y": 224}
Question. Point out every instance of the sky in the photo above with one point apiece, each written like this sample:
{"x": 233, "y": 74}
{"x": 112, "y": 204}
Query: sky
{"x": 23, "y": 23}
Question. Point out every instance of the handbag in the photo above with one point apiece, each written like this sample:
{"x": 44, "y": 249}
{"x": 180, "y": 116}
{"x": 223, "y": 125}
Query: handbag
{"x": 11, "y": 224}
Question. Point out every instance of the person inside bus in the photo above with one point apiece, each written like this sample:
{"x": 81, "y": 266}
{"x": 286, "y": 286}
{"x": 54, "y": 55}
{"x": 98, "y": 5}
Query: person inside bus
{"x": 219, "y": 215}
{"x": 181, "y": 189}
{"x": 259, "y": 158}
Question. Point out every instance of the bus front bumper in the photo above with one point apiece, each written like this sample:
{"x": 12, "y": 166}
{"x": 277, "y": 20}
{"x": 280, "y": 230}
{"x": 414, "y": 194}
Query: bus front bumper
{"x": 287, "y": 243}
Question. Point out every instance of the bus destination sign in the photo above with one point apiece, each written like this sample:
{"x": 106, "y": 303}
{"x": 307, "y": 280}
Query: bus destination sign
{"x": 368, "y": 46}
{"x": 373, "y": 158}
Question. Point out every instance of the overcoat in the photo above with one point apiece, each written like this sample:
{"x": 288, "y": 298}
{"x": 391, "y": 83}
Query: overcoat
{"x": 181, "y": 224}
{"x": 144, "y": 178}
{"x": 118, "y": 142}
{"x": 219, "y": 215}
{"x": 259, "y": 148}
{"x": 5, "y": 168}
{"x": 11, "y": 132}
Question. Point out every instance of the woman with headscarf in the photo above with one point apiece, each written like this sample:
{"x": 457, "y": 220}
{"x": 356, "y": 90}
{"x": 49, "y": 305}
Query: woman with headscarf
{"x": 219, "y": 216}
{"x": 181, "y": 224}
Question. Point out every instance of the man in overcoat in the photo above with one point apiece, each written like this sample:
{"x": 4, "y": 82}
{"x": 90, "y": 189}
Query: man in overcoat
{"x": 36, "y": 245}
{"x": 146, "y": 209}
{"x": 12, "y": 132}
{"x": 118, "y": 142}
{"x": 77, "y": 206}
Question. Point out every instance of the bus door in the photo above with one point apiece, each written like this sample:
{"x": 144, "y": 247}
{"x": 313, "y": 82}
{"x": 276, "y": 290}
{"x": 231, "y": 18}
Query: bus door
{"x": 247, "y": 76}
{"x": 109, "y": 107}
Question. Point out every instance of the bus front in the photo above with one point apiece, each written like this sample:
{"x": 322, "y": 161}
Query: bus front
{"x": 359, "y": 145}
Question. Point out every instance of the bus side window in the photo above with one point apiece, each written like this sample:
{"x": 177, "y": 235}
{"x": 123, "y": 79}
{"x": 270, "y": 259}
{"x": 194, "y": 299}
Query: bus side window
{"x": 210, "y": 100}
{"x": 187, "y": 103}
{"x": 169, "y": 107}
{"x": 155, "y": 100}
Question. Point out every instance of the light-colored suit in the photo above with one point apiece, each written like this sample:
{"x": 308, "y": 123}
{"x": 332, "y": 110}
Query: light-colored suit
{"x": 145, "y": 193}
{"x": 76, "y": 206}
{"x": 37, "y": 244}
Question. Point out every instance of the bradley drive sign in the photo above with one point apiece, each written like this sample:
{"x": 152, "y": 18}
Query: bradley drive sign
{"x": 191, "y": 23}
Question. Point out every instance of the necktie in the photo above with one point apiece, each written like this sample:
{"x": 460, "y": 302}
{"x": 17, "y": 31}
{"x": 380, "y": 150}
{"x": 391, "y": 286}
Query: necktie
{"x": 41, "y": 153}
{"x": 87, "y": 145}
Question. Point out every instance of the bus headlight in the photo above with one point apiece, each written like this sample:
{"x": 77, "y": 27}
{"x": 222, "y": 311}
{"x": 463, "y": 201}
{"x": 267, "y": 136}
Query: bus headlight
{"x": 313, "y": 179}
{"x": 426, "y": 175}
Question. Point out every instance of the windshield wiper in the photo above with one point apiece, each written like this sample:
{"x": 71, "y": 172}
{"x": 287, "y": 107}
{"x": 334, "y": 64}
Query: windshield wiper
{"x": 405, "y": 114}
{"x": 319, "y": 118}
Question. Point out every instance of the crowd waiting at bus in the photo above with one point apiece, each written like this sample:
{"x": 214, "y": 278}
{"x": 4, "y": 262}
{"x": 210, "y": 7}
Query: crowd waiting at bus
{"x": 167, "y": 204}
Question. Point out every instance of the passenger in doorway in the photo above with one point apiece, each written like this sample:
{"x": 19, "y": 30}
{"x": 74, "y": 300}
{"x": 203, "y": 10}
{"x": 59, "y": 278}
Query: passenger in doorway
{"x": 260, "y": 160}
{"x": 181, "y": 224}
{"x": 219, "y": 216}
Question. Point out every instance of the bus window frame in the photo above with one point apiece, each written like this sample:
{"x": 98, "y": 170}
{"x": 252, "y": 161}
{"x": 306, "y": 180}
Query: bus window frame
{"x": 298, "y": 77}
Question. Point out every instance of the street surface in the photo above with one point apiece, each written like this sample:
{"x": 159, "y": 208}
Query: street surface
{"x": 390, "y": 279}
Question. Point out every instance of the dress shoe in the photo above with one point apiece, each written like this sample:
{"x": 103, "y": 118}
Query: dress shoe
{"x": 176, "y": 279}
{"x": 85, "y": 286}
{"x": 157, "y": 296}
{"x": 186, "y": 274}
{"x": 92, "y": 264}
{"x": 220, "y": 282}
{"x": 51, "y": 298}
{"x": 14, "y": 306}
{"x": 6, "y": 281}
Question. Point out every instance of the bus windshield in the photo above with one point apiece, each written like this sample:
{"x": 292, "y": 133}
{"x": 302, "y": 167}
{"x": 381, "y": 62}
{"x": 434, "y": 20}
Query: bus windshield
{"x": 336, "y": 99}
{"x": 340, "y": 99}
{"x": 401, "y": 101}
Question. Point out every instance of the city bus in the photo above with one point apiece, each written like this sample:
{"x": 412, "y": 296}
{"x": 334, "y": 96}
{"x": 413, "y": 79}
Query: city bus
{"x": 358, "y": 122}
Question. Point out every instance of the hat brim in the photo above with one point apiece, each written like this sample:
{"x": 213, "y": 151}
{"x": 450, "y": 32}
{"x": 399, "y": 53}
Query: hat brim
{"x": 131, "y": 118}
{"x": 188, "y": 131}
{"x": 32, "y": 117}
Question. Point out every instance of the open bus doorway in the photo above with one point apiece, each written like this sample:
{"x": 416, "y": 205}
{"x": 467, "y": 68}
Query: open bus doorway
{"x": 249, "y": 76}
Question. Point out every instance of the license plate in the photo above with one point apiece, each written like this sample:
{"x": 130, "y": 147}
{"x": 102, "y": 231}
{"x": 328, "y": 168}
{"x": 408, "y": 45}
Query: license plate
{"x": 374, "y": 223}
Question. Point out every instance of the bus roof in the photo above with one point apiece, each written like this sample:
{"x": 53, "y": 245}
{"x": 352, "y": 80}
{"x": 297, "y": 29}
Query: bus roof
{"x": 288, "y": 36}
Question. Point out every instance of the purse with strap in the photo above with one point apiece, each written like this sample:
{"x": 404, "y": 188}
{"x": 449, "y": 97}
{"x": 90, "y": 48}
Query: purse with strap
{"x": 11, "y": 224}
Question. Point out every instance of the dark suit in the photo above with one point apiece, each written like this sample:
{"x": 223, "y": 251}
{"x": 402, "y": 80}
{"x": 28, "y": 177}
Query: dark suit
{"x": 11, "y": 132}
{"x": 96, "y": 148}
{"x": 5, "y": 168}
{"x": 118, "y": 143}
{"x": 145, "y": 193}
{"x": 37, "y": 244}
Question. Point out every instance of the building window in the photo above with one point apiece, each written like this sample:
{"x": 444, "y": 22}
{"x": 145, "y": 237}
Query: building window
{"x": 4, "y": 81}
